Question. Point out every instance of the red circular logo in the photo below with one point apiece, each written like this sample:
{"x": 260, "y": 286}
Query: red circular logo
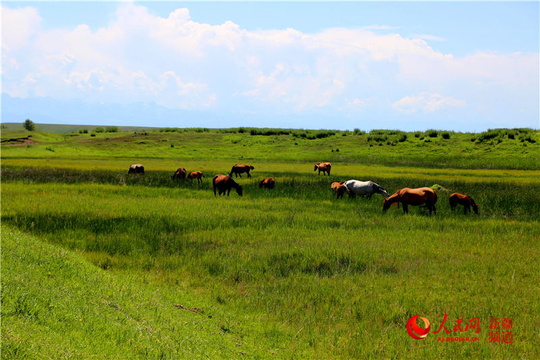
{"x": 415, "y": 331}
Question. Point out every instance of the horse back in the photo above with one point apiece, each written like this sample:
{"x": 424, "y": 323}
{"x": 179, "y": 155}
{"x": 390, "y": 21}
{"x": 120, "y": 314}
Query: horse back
{"x": 417, "y": 196}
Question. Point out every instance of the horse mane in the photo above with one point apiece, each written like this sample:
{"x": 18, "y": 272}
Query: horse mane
{"x": 393, "y": 198}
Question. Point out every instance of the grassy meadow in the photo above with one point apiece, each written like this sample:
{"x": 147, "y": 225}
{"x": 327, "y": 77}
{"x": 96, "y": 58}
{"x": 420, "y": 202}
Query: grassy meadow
{"x": 96, "y": 263}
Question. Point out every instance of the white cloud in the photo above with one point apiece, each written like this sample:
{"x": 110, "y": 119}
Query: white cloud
{"x": 180, "y": 63}
{"x": 427, "y": 103}
{"x": 22, "y": 24}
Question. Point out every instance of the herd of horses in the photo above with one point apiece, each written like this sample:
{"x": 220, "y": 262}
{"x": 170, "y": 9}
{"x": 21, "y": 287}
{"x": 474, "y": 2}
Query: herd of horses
{"x": 424, "y": 196}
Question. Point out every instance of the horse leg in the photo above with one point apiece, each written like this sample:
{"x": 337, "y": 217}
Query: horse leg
{"x": 249, "y": 175}
{"x": 405, "y": 207}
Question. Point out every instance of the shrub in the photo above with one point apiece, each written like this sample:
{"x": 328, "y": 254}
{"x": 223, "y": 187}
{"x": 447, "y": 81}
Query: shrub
{"x": 445, "y": 135}
{"x": 432, "y": 133}
{"x": 527, "y": 138}
{"x": 29, "y": 125}
{"x": 111, "y": 129}
{"x": 377, "y": 138}
{"x": 98, "y": 130}
{"x": 402, "y": 138}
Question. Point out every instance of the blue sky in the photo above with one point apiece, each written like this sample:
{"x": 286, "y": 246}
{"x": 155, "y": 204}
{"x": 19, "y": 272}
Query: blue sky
{"x": 464, "y": 66}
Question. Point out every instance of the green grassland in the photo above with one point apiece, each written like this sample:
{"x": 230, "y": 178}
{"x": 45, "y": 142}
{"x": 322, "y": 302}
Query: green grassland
{"x": 96, "y": 263}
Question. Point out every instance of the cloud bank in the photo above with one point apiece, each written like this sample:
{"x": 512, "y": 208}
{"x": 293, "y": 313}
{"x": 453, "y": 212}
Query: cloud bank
{"x": 179, "y": 63}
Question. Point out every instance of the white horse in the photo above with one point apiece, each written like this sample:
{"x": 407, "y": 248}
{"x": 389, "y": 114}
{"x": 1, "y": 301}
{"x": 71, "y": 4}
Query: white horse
{"x": 364, "y": 188}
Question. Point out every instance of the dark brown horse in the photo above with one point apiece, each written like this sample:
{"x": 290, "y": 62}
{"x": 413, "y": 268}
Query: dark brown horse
{"x": 136, "y": 169}
{"x": 464, "y": 200}
{"x": 179, "y": 174}
{"x": 240, "y": 169}
{"x": 421, "y": 196}
{"x": 338, "y": 188}
{"x": 196, "y": 175}
{"x": 224, "y": 183}
{"x": 324, "y": 167}
{"x": 267, "y": 183}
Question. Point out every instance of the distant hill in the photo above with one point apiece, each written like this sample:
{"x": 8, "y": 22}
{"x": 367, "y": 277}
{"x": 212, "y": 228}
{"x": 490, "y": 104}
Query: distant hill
{"x": 66, "y": 129}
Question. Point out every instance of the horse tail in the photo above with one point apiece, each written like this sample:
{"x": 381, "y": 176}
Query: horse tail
{"x": 214, "y": 183}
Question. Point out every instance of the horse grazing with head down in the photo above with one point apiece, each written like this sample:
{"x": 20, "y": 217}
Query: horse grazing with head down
{"x": 136, "y": 169}
{"x": 224, "y": 183}
{"x": 338, "y": 188}
{"x": 196, "y": 175}
{"x": 179, "y": 174}
{"x": 363, "y": 188}
{"x": 324, "y": 167}
{"x": 464, "y": 200}
{"x": 421, "y": 196}
{"x": 267, "y": 183}
{"x": 240, "y": 169}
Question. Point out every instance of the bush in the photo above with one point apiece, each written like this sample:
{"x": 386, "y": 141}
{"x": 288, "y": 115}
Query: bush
{"x": 377, "y": 138}
{"x": 111, "y": 129}
{"x": 432, "y": 133}
{"x": 402, "y": 138}
{"x": 445, "y": 135}
{"x": 98, "y": 130}
{"x": 29, "y": 125}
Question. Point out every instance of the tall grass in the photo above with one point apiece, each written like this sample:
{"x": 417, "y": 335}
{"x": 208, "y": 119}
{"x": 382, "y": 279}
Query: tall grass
{"x": 103, "y": 257}
{"x": 324, "y": 278}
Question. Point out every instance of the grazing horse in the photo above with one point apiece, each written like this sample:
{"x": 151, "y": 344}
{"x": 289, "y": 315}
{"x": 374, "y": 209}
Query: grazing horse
{"x": 239, "y": 169}
{"x": 324, "y": 167}
{"x": 179, "y": 174}
{"x": 224, "y": 183}
{"x": 414, "y": 197}
{"x": 363, "y": 188}
{"x": 464, "y": 200}
{"x": 338, "y": 188}
{"x": 267, "y": 183}
{"x": 136, "y": 169}
{"x": 196, "y": 175}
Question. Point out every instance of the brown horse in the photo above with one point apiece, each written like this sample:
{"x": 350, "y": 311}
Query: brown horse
{"x": 464, "y": 200}
{"x": 339, "y": 189}
{"x": 324, "y": 167}
{"x": 224, "y": 183}
{"x": 179, "y": 174}
{"x": 267, "y": 183}
{"x": 136, "y": 169}
{"x": 421, "y": 196}
{"x": 196, "y": 175}
{"x": 239, "y": 169}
